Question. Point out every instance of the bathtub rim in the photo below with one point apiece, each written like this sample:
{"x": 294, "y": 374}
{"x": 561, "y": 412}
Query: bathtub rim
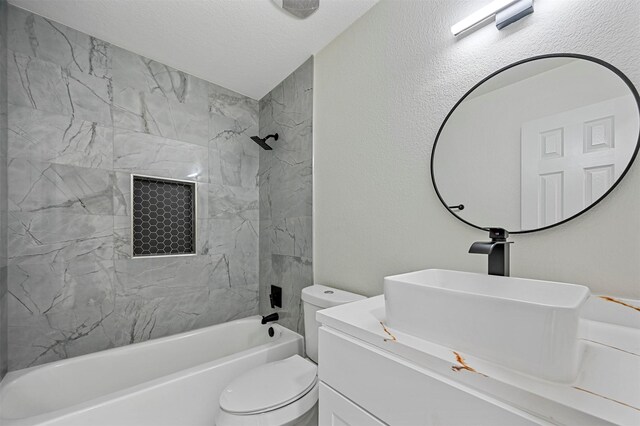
{"x": 286, "y": 336}
{"x": 12, "y": 375}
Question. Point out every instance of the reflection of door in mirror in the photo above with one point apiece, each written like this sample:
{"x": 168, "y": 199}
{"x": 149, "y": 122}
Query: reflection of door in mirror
{"x": 570, "y": 159}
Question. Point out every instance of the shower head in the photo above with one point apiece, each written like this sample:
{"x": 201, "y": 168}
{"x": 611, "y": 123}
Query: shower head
{"x": 263, "y": 141}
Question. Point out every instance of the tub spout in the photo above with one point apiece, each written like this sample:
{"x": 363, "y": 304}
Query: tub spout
{"x": 270, "y": 318}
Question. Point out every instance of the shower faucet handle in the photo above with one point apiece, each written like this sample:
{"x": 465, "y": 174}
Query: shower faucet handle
{"x": 275, "y": 297}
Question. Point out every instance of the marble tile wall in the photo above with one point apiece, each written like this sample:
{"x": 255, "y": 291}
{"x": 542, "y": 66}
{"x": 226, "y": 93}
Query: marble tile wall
{"x": 286, "y": 194}
{"x": 3, "y": 190}
{"x": 83, "y": 115}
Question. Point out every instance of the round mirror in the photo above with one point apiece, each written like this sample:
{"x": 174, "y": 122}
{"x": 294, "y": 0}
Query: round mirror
{"x": 537, "y": 143}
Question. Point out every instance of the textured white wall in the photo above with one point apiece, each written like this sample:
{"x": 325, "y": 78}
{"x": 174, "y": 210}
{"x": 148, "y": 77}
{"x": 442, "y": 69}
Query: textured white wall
{"x": 381, "y": 91}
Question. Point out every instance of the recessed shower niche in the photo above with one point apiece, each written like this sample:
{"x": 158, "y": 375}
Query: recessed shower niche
{"x": 163, "y": 222}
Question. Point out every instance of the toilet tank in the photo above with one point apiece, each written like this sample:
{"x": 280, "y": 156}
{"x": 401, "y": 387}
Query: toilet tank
{"x": 318, "y": 297}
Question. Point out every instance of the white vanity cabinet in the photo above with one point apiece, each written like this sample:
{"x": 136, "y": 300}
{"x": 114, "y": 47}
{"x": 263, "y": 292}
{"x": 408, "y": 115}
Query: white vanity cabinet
{"x": 373, "y": 369}
{"x": 364, "y": 385}
{"x": 336, "y": 410}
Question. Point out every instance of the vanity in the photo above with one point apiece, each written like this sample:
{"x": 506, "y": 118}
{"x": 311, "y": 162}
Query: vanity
{"x": 529, "y": 148}
{"x": 372, "y": 374}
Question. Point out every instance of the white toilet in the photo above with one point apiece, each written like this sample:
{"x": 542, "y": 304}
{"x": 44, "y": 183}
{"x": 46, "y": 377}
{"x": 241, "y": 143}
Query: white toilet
{"x": 283, "y": 392}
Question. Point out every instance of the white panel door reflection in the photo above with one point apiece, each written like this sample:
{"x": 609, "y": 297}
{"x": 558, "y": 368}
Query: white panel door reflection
{"x": 571, "y": 159}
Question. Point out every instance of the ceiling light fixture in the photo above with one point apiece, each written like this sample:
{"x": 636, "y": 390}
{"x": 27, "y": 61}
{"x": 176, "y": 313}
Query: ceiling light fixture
{"x": 505, "y": 12}
{"x": 299, "y": 8}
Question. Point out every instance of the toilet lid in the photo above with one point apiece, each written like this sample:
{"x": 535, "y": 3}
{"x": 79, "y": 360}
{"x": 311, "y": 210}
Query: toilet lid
{"x": 269, "y": 386}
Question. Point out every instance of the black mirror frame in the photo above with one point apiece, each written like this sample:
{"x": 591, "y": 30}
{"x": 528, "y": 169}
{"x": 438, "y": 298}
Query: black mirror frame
{"x": 607, "y": 65}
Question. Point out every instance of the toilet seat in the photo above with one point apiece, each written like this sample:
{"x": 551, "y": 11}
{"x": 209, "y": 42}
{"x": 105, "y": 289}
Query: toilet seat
{"x": 302, "y": 412}
{"x": 269, "y": 387}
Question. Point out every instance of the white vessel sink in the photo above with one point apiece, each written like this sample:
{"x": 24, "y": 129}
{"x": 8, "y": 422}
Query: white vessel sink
{"x": 523, "y": 324}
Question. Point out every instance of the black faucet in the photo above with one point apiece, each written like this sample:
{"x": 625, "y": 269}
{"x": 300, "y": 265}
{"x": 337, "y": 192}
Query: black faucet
{"x": 270, "y": 318}
{"x": 497, "y": 249}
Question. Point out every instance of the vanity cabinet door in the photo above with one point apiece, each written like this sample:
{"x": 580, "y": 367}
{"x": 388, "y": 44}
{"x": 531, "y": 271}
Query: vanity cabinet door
{"x": 400, "y": 393}
{"x": 336, "y": 410}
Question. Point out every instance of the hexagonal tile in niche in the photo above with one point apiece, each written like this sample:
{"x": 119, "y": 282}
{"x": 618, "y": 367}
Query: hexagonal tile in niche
{"x": 163, "y": 216}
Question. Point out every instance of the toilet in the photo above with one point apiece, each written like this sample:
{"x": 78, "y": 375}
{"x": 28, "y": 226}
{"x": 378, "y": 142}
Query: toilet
{"x": 285, "y": 392}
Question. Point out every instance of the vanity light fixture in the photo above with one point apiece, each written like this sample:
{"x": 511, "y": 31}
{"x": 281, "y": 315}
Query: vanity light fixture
{"x": 504, "y": 11}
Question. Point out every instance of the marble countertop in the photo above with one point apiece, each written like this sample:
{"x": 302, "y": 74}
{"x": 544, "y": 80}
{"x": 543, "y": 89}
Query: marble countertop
{"x": 607, "y": 389}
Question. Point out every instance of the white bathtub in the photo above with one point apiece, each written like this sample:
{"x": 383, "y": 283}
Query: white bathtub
{"x": 175, "y": 380}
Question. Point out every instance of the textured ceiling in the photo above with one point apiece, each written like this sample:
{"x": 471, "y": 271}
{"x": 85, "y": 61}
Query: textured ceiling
{"x": 245, "y": 45}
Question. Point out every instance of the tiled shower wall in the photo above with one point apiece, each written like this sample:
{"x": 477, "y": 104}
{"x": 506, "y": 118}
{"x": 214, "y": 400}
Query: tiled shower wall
{"x": 286, "y": 194}
{"x": 3, "y": 188}
{"x": 83, "y": 115}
